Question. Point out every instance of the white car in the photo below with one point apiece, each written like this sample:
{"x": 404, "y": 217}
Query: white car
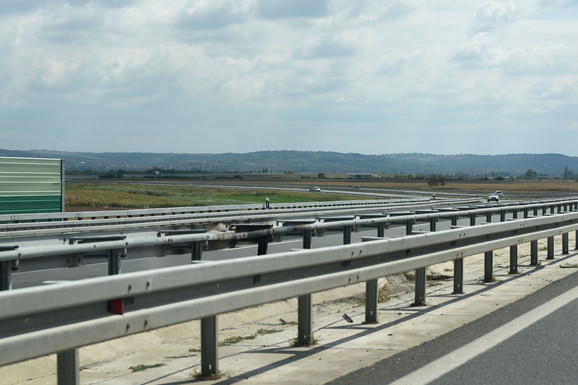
{"x": 315, "y": 189}
{"x": 493, "y": 198}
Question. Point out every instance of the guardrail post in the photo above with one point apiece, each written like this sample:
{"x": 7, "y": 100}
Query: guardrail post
{"x": 472, "y": 219}
{"x": 576, "y": 240}
{"x": 5, "y": 275}
{"x": 381, "y": 229}
{"x": 409, "y": 226}
{"x": 458, "y": 276}
{"x": 514, "y": 259}
{"x": 263, "y": 245}
{"x": 196, "y": 251}
{"x": 304, "y": 306}
{"x": 550, "y": 248}
{"x": 502, "y": 215}
{"x": 114, "y": 261}
{"x": 305, "y": 324}
{"x": 371, "y": 301}
{"x": 489, "y": 266}
{"x": 307, "y": 238}
{"x": 67, "y": 364}
{"x": 346, "y": 235}
{"x": 420, "y": 281}
{"x": 209, "y": 347}
{"x": 420, "y": 274}
{"x": 372, "y": 290}
{"x": 534, "y": 253}
{"x": 565, "y": 239}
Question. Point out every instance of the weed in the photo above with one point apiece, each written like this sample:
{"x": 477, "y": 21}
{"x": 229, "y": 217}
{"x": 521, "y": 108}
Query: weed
{"x": 142, "y": 367}
{"x": 207, "y": 377}
{"x": 235, "y": 339}
{"x": 304, "y": 342}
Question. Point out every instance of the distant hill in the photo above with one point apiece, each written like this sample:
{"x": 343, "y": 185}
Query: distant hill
{"x": 551, "y": 165}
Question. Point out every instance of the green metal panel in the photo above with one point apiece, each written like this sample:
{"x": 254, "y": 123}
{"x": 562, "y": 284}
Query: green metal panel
{"x": 30, "y": 185}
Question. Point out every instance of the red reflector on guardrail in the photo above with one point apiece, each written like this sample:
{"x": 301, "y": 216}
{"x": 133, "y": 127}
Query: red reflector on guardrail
{"x": 116, "y": 306}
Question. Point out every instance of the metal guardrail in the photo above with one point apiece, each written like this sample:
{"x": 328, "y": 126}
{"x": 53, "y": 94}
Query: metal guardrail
{"x": 62, "y": 249}
{"x": 60, "y": 318}
{"x": 235, "y": 209}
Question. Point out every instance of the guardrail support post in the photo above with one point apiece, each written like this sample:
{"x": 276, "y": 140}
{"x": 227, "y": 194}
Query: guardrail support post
{"x": 534, "y": 253}
{"x": 114, "y": 261}
{"x": 565, "y": 239}
{"x": 576, "y": 240}
{"x": 305, "y": 324}
{"x": 372, "y": 289}
{"x": 196, "y": 251}
{"x": 514, "y": 259}
{"x": 488, "y": 266}
{"x": 209, "y": 347}
{"x": 263, "y": 245}
{"x": 371, "y": 301}
{"x": 67, "y": 364}
{"x": 420, "y": 281}
{"x": 307, "y": 238}
{"x": 381, "y": 229}
{"x": 420, "y": 274}
{"x": 304, "y": 307}
{"x": 550, "y": 248}
{"x": 346, "y": 235}
{"x": 5, "y": 275}
{"x": 458, "y": 276}
{"x": 409, "y": 226}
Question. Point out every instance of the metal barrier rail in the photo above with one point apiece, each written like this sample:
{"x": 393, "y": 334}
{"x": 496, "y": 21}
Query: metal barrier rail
{"x": 75, "y": 216}
{"x": 60, "y": 318}
{"x": 25, "y": 224}
{"x": 133, "y": 220}
{"x": 77, "y": 250}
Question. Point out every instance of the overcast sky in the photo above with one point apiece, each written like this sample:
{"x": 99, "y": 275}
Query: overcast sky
{"x": 363, "y": 76}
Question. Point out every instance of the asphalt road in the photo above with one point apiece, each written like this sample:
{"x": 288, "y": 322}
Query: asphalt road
{"x": 531, "y": 341}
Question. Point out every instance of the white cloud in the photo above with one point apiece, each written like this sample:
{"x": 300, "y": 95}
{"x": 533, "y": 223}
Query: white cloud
{"x": 292, "y": 9}
{"x": 200, "y": 75}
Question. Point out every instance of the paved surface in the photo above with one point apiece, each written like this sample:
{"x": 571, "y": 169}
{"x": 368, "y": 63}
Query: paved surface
{"x": 343, "y": 347}
{"x": 530, "y": 341}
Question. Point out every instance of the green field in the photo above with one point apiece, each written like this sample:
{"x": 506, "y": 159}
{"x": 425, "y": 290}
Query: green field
{"x": 104, "y": 196}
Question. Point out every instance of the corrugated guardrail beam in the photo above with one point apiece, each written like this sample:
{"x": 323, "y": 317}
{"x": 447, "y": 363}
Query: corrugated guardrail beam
{"x": 47, "y": 252}
{"x": 43, "y": 320}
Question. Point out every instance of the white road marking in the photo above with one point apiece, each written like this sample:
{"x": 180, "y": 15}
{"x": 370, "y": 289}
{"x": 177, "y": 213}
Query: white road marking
{"x": 450, "y": 361}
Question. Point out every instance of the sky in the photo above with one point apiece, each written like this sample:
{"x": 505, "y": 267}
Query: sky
{"x": 363, "y": 76}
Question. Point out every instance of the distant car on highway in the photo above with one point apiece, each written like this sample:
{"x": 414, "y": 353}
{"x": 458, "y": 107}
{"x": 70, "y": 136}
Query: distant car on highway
{"x": 499, "y": 193}
{"x": 493, "y": 198}
{"x": 356, "y": 187}
{"x": 315, "y": 189}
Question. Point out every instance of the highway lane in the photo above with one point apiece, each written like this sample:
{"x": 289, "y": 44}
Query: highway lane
{"x": 531, "y": 341}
